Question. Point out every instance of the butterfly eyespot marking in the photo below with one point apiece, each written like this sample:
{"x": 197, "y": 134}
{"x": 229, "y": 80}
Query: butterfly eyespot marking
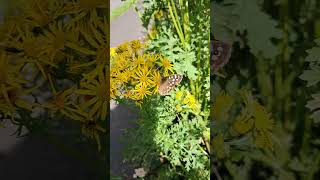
{"x": 220, "y": 54}
{"x": 216, "y": 53}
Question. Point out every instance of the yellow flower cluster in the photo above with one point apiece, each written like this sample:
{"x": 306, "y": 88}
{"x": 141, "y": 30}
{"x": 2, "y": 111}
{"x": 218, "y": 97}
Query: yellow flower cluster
{"x": 135, "y": 74}
{"x": 186, "y": 100}
{"x": 53, "y": 41}
{"x": 11, "y": 86}
{"x": 253, "y": 118}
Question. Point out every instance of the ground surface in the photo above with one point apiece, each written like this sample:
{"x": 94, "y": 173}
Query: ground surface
{"x": 125, "y": 28}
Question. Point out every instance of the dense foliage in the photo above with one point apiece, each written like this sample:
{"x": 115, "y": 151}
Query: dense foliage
{"x": 266, "y": 108}
{"x": 172, "y": 138}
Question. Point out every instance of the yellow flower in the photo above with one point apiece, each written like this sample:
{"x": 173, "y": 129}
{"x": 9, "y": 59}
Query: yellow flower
{"x": 262, "y": 126}
{"x": 56, "y": 38}
{"x": 62, "y": 103}
{"x": 138, "y": 61}
{"x": 126, "y": 54}
{"x": 120, "y": 63}
{"x": 151, "y": 59}
{"x": 97, "y": 91}
{"x": 128, "y": 94}
{"x": 136, "y": 46}
{"x": 33, "y": 50}
{"x": 263, "y": 118}
{"x": 178, "y": 107}
{"x": 122, "y": 48}
{"x": 15, "y": 98}
{"x": 97, "y": 38}
{"x": 90, "y": 127}
{"x": 11, "y": 86}
{"x": 113, "y": 89}
{"x": 73, "y": 67}
{"x": 85, "y": 11}
{"x": 141, "y": 76}
{"x": 243, "y": 124}
{"x": 38, "y": 11}
{"x": 165, "y": 63}
{"x": 158, "y": 14}
{"x": 113, "y": 52}
{"x": 9, "y": 72}
{"x": 10, "y": 76}
{"x": 141, "y": 92}
{"x": 156, "y": 80}
{"x": 7, "y": 109}
{"x": 190, "y": 101}
{"x": 137, "y": 75}
{"x": 179, "y": 94}
{"x": 124, "y": 76}
{"x": 114, "y": 72}
{"x": 221, "y": 106}
{"x": 11, "y": 26}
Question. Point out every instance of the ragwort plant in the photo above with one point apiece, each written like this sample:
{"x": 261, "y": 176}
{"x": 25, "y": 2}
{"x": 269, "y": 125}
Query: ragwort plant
{"x": 173, "y": 135}
{"x": 54, "y": 68}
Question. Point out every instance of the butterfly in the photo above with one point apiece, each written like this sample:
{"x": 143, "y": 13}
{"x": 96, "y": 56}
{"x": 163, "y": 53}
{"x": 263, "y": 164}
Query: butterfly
{"x": 220, "y": 53}
{"x": 168, "y": 83}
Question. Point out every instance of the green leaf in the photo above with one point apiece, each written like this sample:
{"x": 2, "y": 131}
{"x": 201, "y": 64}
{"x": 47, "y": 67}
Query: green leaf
{"x": 232, "y": 85}
{"x": 260, "y": 27}
{"x": 224, "y": 22}
{"x": 314, "y": 105}
{"x": 246, "y": 16}
{"x": 311, "y": 76}
{"x": 124, "y": 7}
{"x": 185, "y": 66}
{"x": 313, "y": 54}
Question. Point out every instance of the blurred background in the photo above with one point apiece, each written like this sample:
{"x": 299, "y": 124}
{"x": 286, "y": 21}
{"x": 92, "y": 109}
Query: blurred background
{"x": 37, "y": 157}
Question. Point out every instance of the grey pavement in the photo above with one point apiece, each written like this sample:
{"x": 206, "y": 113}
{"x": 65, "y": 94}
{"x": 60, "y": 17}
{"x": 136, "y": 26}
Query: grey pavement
{"x": 125, "y": 28}
{"x": 33, "y": 158}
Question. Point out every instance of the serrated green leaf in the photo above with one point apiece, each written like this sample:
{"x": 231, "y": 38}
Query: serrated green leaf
{"x": 311, "y": 76}
{"x": 314, "y": 105}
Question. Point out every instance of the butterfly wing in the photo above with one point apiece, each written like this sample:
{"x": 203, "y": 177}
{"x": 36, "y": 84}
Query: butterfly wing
{"x": 220, "y": 54}
{"x": 168, "y": 83}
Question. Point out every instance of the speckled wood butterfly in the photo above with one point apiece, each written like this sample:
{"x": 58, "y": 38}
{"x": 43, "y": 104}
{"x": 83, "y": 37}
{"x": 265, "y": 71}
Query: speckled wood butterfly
{"x": 168, "y": 83}
{"x": 220, "y": 53}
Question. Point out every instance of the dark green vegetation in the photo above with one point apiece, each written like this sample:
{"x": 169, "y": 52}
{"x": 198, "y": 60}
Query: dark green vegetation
{"x": 266, "y": 108}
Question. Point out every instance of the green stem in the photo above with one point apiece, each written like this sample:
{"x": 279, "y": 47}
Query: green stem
{"x": 199, "y": 75}
{"x": 193, "y": 87}
{"x": 177, "y": 18}
{"x": 287, "y": 91}
{"x": 185, "y": 19}
{"x": 278, "y": 90}
{"x": 264, "y": 81}
{"x": 174, "y": 20}
{"x": 284, "y": 61}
